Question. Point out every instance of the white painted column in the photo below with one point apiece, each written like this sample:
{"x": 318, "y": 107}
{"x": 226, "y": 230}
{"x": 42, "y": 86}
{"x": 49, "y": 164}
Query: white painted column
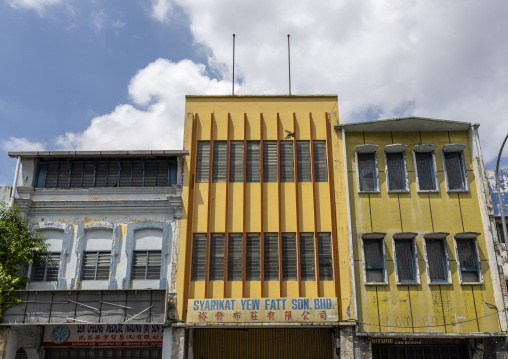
{"x": 167, "y": 343}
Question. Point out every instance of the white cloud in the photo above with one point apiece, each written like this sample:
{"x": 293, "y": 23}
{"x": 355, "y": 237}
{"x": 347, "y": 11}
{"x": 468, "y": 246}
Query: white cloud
{"x": 385, "y": 58}
{"x": 37, "y": 5}
{"x": 14, "y": 144}
{"x": 155, "y": 121}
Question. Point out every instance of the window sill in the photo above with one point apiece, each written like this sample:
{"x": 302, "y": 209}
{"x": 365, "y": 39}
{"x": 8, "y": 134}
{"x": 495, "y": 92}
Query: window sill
{"x": 375, "y": 283}
{"x": 428, "y": 191}
{"x": 471, "y": 283}
{"x": 408, "y": 283}
{"x": 369, "y": 192}
{"x": 440, "y": 283}
{"x": 458, "y": 190}
{"x": 398, "y": 191}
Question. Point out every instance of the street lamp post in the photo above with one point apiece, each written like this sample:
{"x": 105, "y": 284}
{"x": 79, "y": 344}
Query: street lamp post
{"x": 501, "y": 206}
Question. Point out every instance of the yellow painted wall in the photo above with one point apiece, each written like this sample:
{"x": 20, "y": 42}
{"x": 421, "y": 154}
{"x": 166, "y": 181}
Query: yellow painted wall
{"x": 420, "y": 308}
{"x": 253, "y": 107}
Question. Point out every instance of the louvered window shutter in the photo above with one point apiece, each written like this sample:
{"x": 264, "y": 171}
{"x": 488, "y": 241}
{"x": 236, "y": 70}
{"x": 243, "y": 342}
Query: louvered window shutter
{"x": 271, "y": 254}
{"x": 236, "y": 162}
{"x": 307, "y": 262}
{"x": 436, "y": 259}
{"x": 325, "y": 256}
{"x": 289, "y": 256}
{"x": 235, "y": 257}
{"x": 287, "y": 170}
{"x": 303, "y": 161}
{"x": 198, "y": 257}
{"x": 404, "y": 251}
{"x": 396, "y": 171}
{"x": 253, "y": 161}
{"x": 454, "y": 170}
{"x": 217, "y": 257}
{"x": 425, "y": 169}
{"x": 203, "y": 161}
{"x": 367, "y": 171}
{"x": 253, "y": 254}
{"x": 219, "y": 161}
{"x": 320, "y": 169}
{"x": 270, "y": 161}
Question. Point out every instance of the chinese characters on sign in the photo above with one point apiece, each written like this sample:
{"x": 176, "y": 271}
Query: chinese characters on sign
{"x": 103, "y": 335}
{"x": 263, "y": 310}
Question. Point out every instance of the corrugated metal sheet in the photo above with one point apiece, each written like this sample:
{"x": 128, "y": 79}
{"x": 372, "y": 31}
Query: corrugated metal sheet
{"x": 263, "y": 343}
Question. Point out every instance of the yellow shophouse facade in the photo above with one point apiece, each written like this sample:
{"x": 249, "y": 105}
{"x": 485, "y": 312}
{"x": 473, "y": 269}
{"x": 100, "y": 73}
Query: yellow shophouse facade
{"x": 426, "y": 278}
{"x": 264, "y": 265}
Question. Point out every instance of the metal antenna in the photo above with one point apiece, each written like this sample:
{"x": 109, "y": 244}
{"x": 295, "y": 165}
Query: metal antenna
{"x": 233, "y": 64}
{"x": 289, "y": 63}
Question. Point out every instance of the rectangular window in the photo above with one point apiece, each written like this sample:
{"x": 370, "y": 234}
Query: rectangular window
{"x": 367, "y": 176}
{"x": 325, "y": 256}
{"x": 396, "y": 167}
{"x": 235, "y": 257}
{"x": 271, "y": 252}
{"x": 374, "y": 260}
{"x": 405, "y": 260}
{"x": 146, "y": 265}
{"x": 236, "y": 162}
{"x": 217, "y": 257}
{"x": 199, "y": 257}
{"x": 500, "y": 233}
{"x": 96, "y": 265}
{"x": 425, "y": 171}
{"x": 220, "y": 152}
{"x": 203, "y": 161}
{"x": 307, "y": 263}
{"x": 287, "y": 169}
{"x": 253, "y": 161}
{"x": 320, "y": 169}
{"x": 468, "y": 260}
{"x": 455, "y": 170}
{"x": 270, "y": 161}
{"x": 303, "y": 161}
{"x": 436, "y": 256}
{"x": 289, "y": 256}
{"x": 253, "y": 265}
{"x": 45, "y": 268}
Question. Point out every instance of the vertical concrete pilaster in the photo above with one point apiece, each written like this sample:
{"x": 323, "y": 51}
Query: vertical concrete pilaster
{"x": 347, "y": 343}
{"x": 4, "y": 337}
{"x": 178, "y": 343}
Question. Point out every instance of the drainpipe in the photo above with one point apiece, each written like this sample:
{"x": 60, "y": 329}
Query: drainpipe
{"x": 14, "y": 185}
{"x": 501, "y": 205}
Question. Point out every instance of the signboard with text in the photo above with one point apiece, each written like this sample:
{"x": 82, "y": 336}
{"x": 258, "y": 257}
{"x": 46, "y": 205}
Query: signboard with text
{"x": 263, "y": 310}
{"x": 103, "y": 335}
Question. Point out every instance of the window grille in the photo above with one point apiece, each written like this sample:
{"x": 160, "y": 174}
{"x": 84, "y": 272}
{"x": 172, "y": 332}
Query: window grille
{"x": 367, "y": 171}
{"x": 198, "y": 257}
{"x": 325, "y": 256}
{"x": 287, "y": 169}
{"x": 253, "y": 161}
{"x": 455, "y": 171}
{"x": 320, "y": 169}
{"x": 236, "y": 162}
{"x": 436, "y": 257}
{"x": 203, "y": 161}
{"x": 270, "y": 161}
{"x": 87, "y": 173}
{"x": 235, "y": 257}
{"x": 307, "y": 262}
{"x": 303, "y": 161}
{"x": 220, "y": 152}
{"x": 96, "y": 265}
{"x": 425, "y": 170}
{"x": 405, "y": 259}
{"x": 45, "y": 268}
{"x": 21, "y": 354}
{"x": 146, "y": 265}
{"x": 217, "y": 257}
{"x": 253, "y": 257}
{"x": 466, "y": 250}
{"x": 396, "y": 171}
{"x": 374, "y": 260}
{"x": 271, "y": 254}
{"x": 289, "y": 256}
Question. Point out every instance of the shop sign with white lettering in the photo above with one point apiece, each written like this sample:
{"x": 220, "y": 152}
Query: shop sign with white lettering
{"x": 263, "y": 310}
{"x": 103, "y": 335}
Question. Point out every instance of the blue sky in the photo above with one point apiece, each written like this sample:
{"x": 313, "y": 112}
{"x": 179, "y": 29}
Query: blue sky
{"x": 100, "y": 74}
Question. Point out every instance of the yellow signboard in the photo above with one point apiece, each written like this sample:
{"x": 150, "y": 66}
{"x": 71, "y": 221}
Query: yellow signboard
{"x": 263, "y": 310}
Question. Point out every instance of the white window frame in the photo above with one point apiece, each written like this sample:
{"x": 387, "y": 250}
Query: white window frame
{"x": 380, "y": 237}
{"x": 426, "y": 148}
{"x": 433, "y": 236}
{"x": 396, "y": 148}
{"x": 459, "y": 148}
{"x": 468, "y": 236}
{"x": 368, "y": 148}
{"x": 412, "y": 237}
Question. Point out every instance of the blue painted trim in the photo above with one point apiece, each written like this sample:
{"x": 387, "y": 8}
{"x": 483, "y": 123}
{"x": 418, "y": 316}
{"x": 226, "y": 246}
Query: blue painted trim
{"x": 165, "y": 250}
{"x": 80, "y": 243}
{"x": 68, "y": 230}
